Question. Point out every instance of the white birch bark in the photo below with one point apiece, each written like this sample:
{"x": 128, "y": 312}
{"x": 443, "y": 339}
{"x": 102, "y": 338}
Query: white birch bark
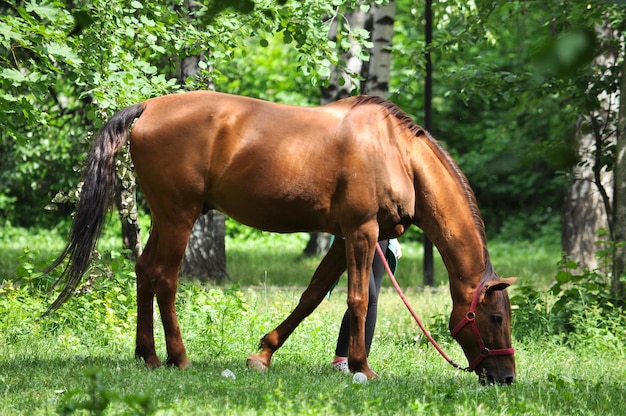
{"x": 589, "y": 202}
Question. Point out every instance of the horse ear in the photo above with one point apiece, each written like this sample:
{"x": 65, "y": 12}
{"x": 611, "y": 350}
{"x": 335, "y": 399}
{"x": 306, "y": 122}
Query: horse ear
{"x": 501, "y": 284}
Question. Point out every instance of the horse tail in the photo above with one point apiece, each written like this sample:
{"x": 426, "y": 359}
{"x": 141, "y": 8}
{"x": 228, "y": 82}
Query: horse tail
{"x": 99, "y": 179}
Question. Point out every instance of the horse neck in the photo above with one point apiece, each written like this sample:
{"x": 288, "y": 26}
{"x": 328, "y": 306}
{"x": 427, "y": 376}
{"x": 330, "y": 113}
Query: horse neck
{"x": 446, "y": 211}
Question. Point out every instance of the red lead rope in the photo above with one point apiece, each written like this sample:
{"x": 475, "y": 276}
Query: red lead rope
{"x": 470, "y": 319}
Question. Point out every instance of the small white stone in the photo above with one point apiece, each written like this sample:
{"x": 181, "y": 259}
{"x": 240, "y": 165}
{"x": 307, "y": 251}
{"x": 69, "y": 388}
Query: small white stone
{"x": 228, "y": 374}
{"x": 359, "y": 378}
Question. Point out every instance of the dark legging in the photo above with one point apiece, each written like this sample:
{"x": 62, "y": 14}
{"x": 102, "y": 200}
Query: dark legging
{"x": 376, "y": 279}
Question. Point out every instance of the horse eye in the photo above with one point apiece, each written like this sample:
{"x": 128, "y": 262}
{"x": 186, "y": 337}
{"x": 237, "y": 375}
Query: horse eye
{"x": 497, "y": 319}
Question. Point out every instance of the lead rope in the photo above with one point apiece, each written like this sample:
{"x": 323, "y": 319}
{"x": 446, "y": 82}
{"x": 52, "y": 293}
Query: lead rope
{"x": 419, "y": 322}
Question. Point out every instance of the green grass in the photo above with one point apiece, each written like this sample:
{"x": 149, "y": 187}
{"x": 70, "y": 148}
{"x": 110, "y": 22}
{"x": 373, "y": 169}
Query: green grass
{"x": 278, "y": 261}
{"x": 45, "y": 366}
{"x": 82, "y": 355}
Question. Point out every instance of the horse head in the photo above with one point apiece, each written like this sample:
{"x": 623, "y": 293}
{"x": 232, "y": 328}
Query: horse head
{"x": 484, "y": 332}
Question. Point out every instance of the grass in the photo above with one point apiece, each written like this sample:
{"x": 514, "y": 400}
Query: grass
{"x": 80, "y": 360}
{"x": 278, "y": 262}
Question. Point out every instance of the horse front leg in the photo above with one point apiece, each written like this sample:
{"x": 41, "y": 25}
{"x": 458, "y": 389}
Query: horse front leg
{"x": 359, "y": 256}
{"x": 326, "y": 274}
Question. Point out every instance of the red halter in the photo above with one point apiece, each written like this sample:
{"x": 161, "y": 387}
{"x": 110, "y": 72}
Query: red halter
{"x": 470, "y": 319}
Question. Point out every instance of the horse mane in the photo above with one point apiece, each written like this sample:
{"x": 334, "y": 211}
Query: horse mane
{"x": 405, "y": 121}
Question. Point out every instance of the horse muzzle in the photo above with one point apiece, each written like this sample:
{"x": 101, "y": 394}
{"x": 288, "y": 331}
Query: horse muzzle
{"x": 499, "y": 374}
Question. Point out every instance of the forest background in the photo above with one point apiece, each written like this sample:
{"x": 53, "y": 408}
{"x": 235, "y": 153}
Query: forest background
{"x": 526, "y": 97}
{"x": 511, "y": 83}
{"x": 516, "y": 85}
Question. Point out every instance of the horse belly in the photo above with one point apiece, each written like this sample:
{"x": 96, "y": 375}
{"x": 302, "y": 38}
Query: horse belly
{"x": 261, "y": 204}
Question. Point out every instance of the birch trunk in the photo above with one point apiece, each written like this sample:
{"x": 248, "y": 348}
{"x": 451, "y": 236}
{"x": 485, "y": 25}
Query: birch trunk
{"x": 588, "y": 204}
{"x": 374, "y": 75}
{"x": 377, "y": 70}
{"x": 619, "y": 259}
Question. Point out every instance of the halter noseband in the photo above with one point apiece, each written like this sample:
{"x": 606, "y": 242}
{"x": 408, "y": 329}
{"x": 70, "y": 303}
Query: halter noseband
{"x": 470, "y": 319}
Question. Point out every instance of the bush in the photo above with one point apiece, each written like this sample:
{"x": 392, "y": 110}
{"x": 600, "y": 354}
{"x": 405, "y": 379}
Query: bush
{"x": 578, "y": 308}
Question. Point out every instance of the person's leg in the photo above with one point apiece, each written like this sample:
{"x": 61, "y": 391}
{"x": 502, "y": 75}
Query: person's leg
{"x": 376, "y": 278}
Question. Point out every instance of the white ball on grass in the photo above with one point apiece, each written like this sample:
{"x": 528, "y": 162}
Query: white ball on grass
{"x": 228, "y": 374}
{"x": 359, "y": 378}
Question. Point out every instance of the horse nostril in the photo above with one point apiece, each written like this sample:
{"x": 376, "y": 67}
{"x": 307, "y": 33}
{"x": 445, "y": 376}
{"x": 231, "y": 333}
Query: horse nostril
{"x": 490, "y": 380}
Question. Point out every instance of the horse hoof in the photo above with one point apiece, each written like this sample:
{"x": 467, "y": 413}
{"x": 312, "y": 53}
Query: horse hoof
{"x": 372, "y": 376}
{"x": 180, "y": 364}
{"x": 256, "y": 365}
{"x": 151, "y": 363}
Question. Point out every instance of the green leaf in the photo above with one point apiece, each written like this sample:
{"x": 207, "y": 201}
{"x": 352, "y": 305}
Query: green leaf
{"x": 6, "y": 33}
{"x": 45, "y": 11}
{"x": 63, "y": 52}
{"x": 324, "y": 72}
{"x": 13, "y": 75}
{"x": 563, "y": 277}
{"x": 287, "y": 38}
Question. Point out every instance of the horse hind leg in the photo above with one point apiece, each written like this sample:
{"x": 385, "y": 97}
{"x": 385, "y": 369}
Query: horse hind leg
{"x": 157, "y": 276}
{"x": 327, "y": 273}
{"x": 144, "y": 341}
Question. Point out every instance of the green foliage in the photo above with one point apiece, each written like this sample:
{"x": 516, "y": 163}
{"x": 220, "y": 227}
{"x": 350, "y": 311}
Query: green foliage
{"x": 585, "y": 309}
{"x": 67, "y": 67}
{"x": 97, "y": 398}
{"x": 268, "y": 73}
{"x": 29, "y": 272}
{"x": 507, "y": 97}
{"x": 578, "y": 309}
{"x": 218, "y": 309}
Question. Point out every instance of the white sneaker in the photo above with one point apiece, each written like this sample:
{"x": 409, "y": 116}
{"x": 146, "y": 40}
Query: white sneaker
{"x": 341, "y": 364}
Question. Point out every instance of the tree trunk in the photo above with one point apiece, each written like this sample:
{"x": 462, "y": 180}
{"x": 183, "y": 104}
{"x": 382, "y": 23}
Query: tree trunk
{"x": 374, "y": 75}
{"x": 376, "y": 71}
{"x": 205, "y": 255}
{"x": 588, "y": 204}
{"x": 583, "y": 210}
{"x": 317, "y": 245}
{"x": 343, "y": 82}
{"x": 619, "y": 258}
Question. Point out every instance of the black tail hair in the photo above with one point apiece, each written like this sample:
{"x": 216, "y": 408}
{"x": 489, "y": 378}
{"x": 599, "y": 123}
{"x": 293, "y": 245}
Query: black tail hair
{"x": 96, "y": 194}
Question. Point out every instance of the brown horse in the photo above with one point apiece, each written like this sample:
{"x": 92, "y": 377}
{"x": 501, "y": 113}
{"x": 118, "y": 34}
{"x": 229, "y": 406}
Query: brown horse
{"x": 359, "y": 169}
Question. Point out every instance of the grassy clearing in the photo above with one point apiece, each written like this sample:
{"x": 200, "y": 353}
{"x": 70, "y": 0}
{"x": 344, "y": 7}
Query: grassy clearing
{"x": 278, "y": 262}
{"x": 81, "y": 358}
{"x": 46, "y": 367}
